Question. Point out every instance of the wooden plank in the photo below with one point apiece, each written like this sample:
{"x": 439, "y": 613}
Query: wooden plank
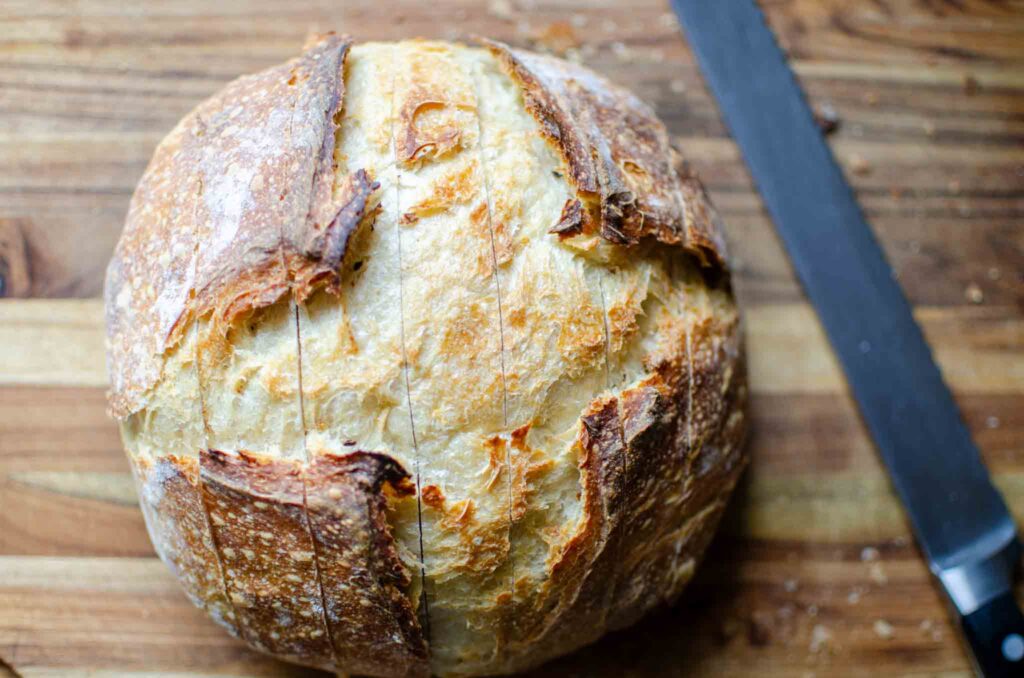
{"x": 779, "y": 607}
{"x": 60, "y": 342}
{"x": 52, "y": 342}
{"x": 789, "y": 610}
{"x": 57, "y": 429}
{"x": 124, "y": 615}
{"x": 71, "y": 512}
{"x": 899, "y": 31}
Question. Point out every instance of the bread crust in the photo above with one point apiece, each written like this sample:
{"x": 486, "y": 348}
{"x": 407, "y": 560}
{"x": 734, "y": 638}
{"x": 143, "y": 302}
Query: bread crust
{"x": 363, "y": 577}
{"x": 258, "y": 522}
{"x": 645, "y": 518}
{"x": 618, "y": 154}
{"x": 172, "y": 504}
{"x": 240, "y": 207}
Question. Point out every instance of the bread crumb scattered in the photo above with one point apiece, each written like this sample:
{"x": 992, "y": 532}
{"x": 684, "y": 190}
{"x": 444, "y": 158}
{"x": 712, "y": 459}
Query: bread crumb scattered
{"x": 812, "y": 610}
{"x": 729, "y": 628}
{"x": 790, "y": 585}
{"x": 878, "y": 575}
{"x": 859, "y": 165}
{"x": 827, "y": 118}
{"x": 677, "y": 86}
{"x": 974, "y": 294}
{"x": 821, "y": 638}
{"x": 926, "y": 625}
{"x": 992, "y": 421}
{"x": 884, "y": 629}
{"x": 994, "y": 273}
{"x": 868, "y": 553}
{"x": 871, "y": 98}
{"x": 622, "y": 51}
{"x": 854, "y": 596}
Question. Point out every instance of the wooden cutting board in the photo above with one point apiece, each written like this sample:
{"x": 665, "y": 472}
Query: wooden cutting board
{"x": 813, "y": 573}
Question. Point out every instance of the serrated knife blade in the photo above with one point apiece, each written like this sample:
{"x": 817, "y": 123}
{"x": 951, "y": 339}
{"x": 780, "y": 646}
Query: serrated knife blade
{"x": 958, "y": 517}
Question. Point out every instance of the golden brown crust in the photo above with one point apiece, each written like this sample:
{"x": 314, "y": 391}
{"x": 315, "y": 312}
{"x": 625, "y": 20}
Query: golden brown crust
{"x": 258, "y": 519}
{"x": 372, "y": 621}
{"x": 143, "y": 309}
{"x": 669, "y": 536}
{"x": 237, "y": 206}
{"x": 176, "y": 519}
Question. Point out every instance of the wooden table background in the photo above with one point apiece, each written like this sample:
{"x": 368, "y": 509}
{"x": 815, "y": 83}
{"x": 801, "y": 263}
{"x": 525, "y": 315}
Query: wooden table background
{"x": 813, "y": 572}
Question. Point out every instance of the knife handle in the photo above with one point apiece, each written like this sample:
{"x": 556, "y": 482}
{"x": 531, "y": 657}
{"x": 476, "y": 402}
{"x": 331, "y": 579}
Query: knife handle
{"x": 995, "y": 634}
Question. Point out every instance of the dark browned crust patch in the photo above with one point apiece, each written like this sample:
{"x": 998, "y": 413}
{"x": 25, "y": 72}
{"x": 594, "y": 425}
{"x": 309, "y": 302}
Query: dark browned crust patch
{"x": 617, "y": 153}
{"x": 372, "y": 621}
{"x": 319, "y": 259}
{"x": 570, "y": 222}
{"x": 570, "y": 609}
{"x": 548, "y": 107}
{"x": 258, "y": 520}
{"x": 172, "y": 505}
{"x": 705, "y": 233}
{"x": 719, "y": 405}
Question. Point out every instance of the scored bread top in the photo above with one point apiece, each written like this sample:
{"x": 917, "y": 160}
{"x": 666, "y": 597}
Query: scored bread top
{"x": 258, "y": 155}
{"x": 464, "y": 305}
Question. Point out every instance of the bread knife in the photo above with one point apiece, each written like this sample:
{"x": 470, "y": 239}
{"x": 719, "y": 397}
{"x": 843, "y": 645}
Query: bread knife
{"x": 959, "y": 518}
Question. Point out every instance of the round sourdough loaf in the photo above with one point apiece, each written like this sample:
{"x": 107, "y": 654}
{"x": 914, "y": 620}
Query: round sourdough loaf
{"x": 425, "y": 358}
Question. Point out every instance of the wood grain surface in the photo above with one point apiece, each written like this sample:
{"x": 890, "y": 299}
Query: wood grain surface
{"x": 813, "y": 573}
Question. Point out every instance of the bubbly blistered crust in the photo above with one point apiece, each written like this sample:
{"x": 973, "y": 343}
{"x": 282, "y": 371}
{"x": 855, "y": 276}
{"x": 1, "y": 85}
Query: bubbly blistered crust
{"x": 249, "y": 201}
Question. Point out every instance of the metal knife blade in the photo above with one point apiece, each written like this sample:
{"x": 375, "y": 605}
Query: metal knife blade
{"x": 958, "y": 516}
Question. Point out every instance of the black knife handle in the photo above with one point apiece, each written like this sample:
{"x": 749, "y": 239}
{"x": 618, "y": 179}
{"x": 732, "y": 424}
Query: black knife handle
{"x": 995, "y": 634}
